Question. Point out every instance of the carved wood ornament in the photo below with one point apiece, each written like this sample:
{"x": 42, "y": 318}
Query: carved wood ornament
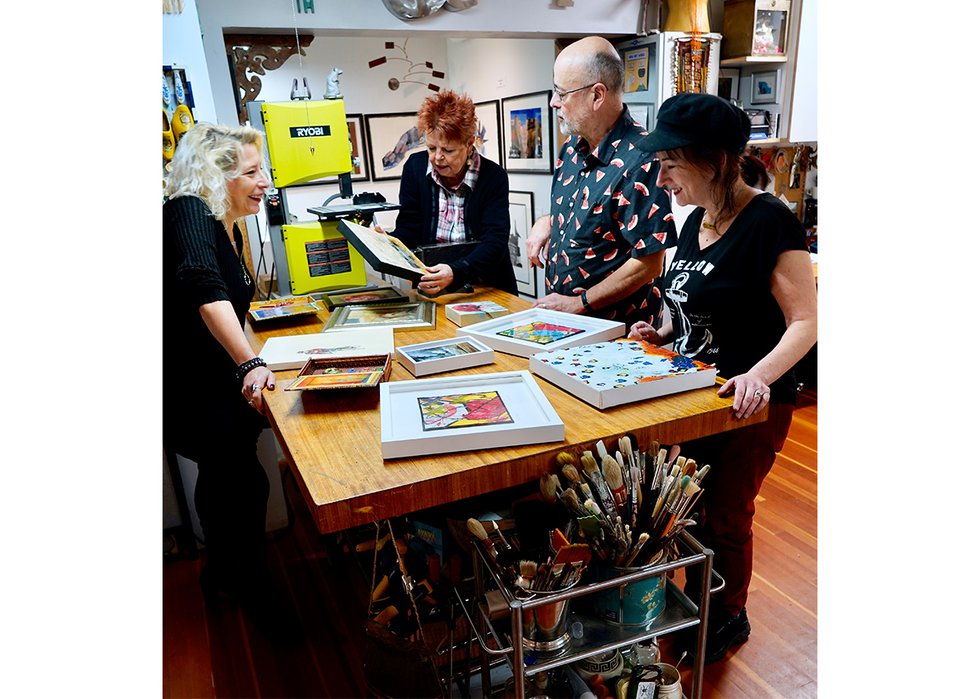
{"x": 254, "y": 54}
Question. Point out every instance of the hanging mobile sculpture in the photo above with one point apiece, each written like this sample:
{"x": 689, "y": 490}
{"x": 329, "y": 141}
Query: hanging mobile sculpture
{"x": 414, "y": 70}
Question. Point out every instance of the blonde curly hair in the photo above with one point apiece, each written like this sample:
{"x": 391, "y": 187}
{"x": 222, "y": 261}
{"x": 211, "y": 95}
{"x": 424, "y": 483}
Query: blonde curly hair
{"x": 207, "y": 158}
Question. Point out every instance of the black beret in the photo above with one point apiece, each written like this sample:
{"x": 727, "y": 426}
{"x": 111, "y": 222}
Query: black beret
{"x": 693, "y": 119}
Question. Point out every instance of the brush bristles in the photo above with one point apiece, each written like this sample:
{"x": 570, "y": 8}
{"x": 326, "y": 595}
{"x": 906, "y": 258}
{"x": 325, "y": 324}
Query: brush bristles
{"x": 612, "y": 472}
{"x": 565, "y": 458}
{"x": 589, "y": 464}
{"x": 570, "y": 473}
{"x": 476, "y": 529}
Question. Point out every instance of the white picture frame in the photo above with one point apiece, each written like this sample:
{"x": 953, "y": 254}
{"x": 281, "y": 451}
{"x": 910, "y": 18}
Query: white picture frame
{"x": 488, "y": 141}
{"x": 391, "y": 138}
{"x": 521, "y": 220}
{"x": 404, "y": 431}
{"x": 406, "y": 314}
{"x": 447, "y": 354}
{"x": 284, "y": 352}
{"x": 607, "y": 374}
{"x": 510, "y": 333}
{"x": 765, "y": 87}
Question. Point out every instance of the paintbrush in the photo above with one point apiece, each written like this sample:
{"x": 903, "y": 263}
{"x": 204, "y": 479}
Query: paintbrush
{"x": 574, "y": 479}
{"x": 477, "y": 529}
{"x": 641, "y": 540}
{"x": 600, "y": 449}
{"x": 702, "y": 472}
{"x": 500, "y": 535}
{"x": 549, "y": 485}
{"x": 672, "y": 455}
{"x": 613, "y": 475}
{"x": 599, "y": 487}
{"x": 690, "y": 468}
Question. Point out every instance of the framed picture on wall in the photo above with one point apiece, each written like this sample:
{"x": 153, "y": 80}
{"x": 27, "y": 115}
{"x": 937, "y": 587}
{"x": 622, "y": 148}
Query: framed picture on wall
{"x": 488, "y": 130}
{"x": 728, "y": 83}
{"x": 355, "y": 129}
{"x": 527, "y": 133}
{"x": 521, "y": 220}
{"x": 391, "y": 138}
{"x": 764, "y": 87}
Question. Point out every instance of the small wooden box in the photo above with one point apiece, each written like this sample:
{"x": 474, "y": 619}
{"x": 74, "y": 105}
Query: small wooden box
{"x": 342, "y": 372}
{"x": 755, "y": 28}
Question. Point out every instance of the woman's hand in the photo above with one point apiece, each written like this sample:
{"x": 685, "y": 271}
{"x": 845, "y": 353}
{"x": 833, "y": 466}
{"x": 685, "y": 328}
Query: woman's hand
{"x": 254, "y": 382}
{"x": 751, "y": 394}
{"x": 438, "y": 278}
{"x": 646, "y": 332}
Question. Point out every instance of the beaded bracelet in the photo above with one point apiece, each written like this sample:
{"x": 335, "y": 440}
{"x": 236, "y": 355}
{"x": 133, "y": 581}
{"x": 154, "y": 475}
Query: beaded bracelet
{"x": 246, "y": 367}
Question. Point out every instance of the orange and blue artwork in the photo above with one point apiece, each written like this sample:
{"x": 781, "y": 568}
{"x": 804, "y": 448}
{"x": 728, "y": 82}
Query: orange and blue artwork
{"x": 540, "y": 332}
{"x": 477, "y": 409}
{"x": 621, "y": 364}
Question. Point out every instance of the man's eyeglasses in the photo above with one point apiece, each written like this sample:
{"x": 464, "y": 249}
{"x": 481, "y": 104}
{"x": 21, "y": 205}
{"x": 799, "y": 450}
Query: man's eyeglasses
{"x": 563, "y": 95}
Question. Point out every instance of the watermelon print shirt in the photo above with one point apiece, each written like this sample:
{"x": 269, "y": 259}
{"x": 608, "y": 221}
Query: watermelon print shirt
{"x": 606, "y": 208}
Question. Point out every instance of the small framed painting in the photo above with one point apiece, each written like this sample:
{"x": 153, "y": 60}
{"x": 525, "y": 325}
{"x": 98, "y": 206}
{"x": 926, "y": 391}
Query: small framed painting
{"x": 413, "y": 314}
{"x": 521, "y": 220}
{"x": 728, "y": 79}
{"x": 391, "y": 138}
{"x": 764, "y": 87}
{"x": 488, "y": 130}
{"x": 527, "y": 133}
{"x": 537, "y": 329}
{"x": 464, "y": 413}
{"x": 448, "y": 354}
{"x": 362, "y": 295}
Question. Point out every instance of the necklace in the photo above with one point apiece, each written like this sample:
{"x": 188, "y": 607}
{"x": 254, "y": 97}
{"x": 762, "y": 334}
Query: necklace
{"x": 707, "y": 225}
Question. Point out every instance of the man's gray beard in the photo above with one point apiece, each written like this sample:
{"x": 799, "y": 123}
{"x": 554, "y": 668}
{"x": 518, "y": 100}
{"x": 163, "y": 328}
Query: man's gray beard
{"x": 565, "y": 128}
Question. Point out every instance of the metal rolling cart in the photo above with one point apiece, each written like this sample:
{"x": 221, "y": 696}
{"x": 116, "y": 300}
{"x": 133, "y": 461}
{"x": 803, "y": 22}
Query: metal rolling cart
{"x": 599, "y": 636}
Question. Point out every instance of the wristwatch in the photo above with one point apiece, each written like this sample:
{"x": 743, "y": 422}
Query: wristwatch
{"x": 585, "y": 302}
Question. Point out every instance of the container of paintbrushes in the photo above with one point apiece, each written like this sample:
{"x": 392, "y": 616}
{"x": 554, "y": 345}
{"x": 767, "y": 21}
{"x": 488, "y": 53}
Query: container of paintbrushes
{"x": 636, "y": 603}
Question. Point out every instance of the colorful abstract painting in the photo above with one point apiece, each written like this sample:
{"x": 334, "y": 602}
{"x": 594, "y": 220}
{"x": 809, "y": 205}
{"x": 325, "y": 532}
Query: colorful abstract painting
{"x": 540, "y": 332}
{"x": 463, "y": 410}
{"x": 620, "y": 364}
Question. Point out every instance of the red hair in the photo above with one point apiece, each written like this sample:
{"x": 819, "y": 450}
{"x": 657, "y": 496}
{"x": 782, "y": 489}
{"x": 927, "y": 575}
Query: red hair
{"x": 449, "y": 114}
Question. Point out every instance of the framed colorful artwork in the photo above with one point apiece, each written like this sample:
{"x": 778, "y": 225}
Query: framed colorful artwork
{"x": 538, "y": 329}
{"x": 606, "y": 374}
{"x": 488, "y": 130}
{"x": 391, "y": 138}
{"x": 322, "y": 373}
{"x": 383, "y": 252}
{"x": 764, "y": 87}
{"x": 464, "y": 413}
{"x": 521, "y": 220}
{"x": 362, "y": 295}
{"x": 448, "y": 354}
{"x": 286, "y": 307}
{"x": 527, "y": 129}
{"x": 412, "y": 314}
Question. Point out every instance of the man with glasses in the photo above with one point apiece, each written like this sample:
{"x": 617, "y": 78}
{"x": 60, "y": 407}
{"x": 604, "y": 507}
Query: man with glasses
{"x": 603, "y": 243}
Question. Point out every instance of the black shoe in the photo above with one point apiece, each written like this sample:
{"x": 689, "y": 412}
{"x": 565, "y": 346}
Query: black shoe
{"x": 723, "y": 633}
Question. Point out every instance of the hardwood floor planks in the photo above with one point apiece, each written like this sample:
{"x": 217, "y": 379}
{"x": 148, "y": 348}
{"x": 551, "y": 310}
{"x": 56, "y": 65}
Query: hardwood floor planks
{"x": 212, "y": 651}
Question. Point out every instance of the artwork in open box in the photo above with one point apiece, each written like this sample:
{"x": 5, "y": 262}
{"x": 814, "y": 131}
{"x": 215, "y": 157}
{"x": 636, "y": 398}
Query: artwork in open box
{"x": 606, "y": 374}
{"x": 362, "y": 295}
{"x": 447, "y": 354}
{"x": 474, "y": 312}
{"x": 462, "y": 413}
{"x": 538, "y": 329}
{"x": 342, "y": 372}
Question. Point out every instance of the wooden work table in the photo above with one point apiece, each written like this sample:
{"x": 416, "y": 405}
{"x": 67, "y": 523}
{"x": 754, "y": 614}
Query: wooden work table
{"x": 332, "y": 440}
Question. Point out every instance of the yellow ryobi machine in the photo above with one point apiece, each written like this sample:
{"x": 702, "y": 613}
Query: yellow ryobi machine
{"x": 308, "y": 140}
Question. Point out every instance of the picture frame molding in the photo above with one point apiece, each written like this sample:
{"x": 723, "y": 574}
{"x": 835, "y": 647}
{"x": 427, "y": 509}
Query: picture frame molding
{"x": 545, "y": 165}
{"x": 527, "y": 278}
{"x": 483, "y": 355}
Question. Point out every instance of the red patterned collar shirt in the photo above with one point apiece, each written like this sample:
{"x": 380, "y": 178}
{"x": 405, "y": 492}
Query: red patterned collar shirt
{"x": 605, "y": 209}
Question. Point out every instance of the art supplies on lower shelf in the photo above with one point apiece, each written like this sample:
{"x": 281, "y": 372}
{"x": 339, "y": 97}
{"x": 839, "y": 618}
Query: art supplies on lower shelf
{"x": 630, "y": 504}
{"x": 607, "y": 374}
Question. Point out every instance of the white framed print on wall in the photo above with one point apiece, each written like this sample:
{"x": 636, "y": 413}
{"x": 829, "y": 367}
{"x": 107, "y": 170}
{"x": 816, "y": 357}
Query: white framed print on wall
{"x": 528, "y": 141}
{"x": 521, "y": 220}
{"x": 764, "y": 87}
{"x": 488, "y": 130}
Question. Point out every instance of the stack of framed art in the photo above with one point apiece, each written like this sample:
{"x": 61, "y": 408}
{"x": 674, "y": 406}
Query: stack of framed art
{"x": 401, "y": 315}
{"x": 294, "y": 351}
{"x": 286, "y": 307}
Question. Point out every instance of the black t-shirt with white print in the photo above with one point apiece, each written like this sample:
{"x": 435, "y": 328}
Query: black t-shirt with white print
{"x": 721, "y": 306}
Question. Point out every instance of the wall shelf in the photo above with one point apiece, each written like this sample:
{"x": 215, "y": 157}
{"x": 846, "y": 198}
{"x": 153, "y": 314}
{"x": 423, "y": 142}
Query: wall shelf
{"x": 750, "y": 60}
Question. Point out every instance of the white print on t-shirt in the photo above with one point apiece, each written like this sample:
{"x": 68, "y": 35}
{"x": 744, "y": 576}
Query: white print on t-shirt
{"x": 686, "y": 340}
{"x": 702, "y": 266}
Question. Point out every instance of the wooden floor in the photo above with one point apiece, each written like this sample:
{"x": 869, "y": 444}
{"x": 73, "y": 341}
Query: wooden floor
{"x": 214, "y": 651}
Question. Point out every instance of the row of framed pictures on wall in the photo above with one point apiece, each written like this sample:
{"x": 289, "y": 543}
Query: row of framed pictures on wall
{"x": 516, "y": 132}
